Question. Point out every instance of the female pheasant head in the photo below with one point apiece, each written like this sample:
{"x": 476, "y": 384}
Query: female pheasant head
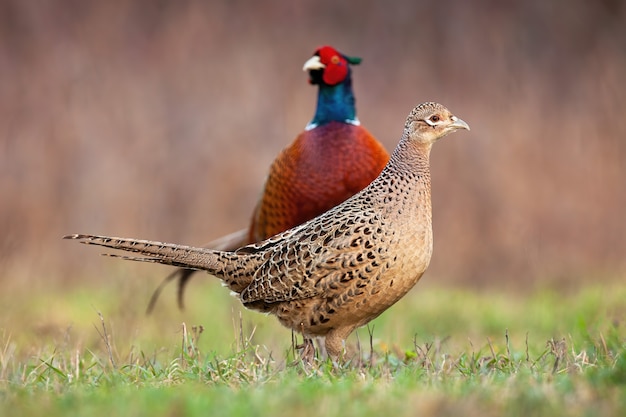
{"x": 431, "y": 121}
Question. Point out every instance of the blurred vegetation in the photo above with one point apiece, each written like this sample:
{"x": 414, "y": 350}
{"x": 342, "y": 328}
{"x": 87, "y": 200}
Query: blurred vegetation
{"x": 159, "y": 119}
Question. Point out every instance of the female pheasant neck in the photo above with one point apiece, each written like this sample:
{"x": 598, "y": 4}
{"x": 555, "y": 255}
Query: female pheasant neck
{"x": 404, "y": 184}
{"x": 411, "y": 158}
{"x": 335, "y": 104}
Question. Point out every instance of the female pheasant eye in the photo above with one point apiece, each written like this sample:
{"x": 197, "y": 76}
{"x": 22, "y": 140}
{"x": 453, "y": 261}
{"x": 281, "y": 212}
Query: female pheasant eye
{"x": 435, "y": 118}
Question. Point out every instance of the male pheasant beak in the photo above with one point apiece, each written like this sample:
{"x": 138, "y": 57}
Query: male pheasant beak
{"x": 313, "y": 63}
{"x": 458, "y": 124}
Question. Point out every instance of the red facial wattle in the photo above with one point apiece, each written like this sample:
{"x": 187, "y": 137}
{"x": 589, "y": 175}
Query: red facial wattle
{"x": 336, "y": 68}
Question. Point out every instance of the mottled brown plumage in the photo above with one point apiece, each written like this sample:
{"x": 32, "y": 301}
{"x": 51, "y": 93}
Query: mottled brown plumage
{"x": 343, "y": 268}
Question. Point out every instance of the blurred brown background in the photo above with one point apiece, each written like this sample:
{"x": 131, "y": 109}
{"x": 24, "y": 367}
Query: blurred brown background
{"x": 159, "y": 119}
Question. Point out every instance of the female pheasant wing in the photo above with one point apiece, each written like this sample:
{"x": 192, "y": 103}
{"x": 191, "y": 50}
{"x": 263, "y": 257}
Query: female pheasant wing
{"x": 328, "y": 257}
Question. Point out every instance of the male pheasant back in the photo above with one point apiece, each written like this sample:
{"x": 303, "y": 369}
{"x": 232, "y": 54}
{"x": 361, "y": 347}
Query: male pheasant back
{"x": 331, "y": 160}
{"x": 343, "y": 268}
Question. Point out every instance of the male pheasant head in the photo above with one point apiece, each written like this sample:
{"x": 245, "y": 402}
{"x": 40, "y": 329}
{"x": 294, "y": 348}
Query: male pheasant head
{"x": 429, "y": 122}
{"x": 329, "y": 67}
{"x": 330, "y": 71}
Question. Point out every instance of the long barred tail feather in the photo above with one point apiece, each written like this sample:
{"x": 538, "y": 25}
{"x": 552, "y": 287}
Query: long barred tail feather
{"x": 156, "y": 252}
{"x": 164, "y": 261}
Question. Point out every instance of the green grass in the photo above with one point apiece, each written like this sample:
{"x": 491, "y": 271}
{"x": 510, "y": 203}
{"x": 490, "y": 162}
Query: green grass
{"x": 92, "y": 351}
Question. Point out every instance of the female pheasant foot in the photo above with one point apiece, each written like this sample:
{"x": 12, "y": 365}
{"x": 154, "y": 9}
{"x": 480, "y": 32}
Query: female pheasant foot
{"x": 307, "y": 351}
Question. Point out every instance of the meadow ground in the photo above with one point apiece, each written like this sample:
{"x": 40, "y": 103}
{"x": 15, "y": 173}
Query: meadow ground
{"x": 439, "y": 351}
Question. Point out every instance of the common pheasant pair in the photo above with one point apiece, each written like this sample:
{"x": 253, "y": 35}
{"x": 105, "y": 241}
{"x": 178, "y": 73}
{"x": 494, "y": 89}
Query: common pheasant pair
{"x": 343, "y": 268}
{"x": 334, "y": 158}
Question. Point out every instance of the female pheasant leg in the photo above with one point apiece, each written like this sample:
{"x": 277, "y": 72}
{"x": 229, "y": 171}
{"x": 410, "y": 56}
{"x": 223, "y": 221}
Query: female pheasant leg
{"x": 335, "y": 342}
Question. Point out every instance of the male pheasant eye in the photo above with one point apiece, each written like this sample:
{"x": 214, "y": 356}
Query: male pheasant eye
{"x": 335, "y": 59}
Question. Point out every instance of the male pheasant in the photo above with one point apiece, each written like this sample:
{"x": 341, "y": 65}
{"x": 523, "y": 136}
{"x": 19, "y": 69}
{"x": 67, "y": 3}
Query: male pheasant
{"x": 343, "y": 268}
{"x": 334, "y": 158}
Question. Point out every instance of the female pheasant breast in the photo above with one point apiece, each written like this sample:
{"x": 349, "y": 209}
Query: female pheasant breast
{"x": 357, "y": 267}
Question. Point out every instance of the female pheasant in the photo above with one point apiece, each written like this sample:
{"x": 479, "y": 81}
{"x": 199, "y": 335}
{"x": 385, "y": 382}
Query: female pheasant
{"x": 345, "y": 267}
{"x": 331, "y": 160}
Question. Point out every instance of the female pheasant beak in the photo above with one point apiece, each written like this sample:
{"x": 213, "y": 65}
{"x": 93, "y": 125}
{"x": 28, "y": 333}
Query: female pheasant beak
{"x": 314, "y": 63}
{"x": 458, "y": 124}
